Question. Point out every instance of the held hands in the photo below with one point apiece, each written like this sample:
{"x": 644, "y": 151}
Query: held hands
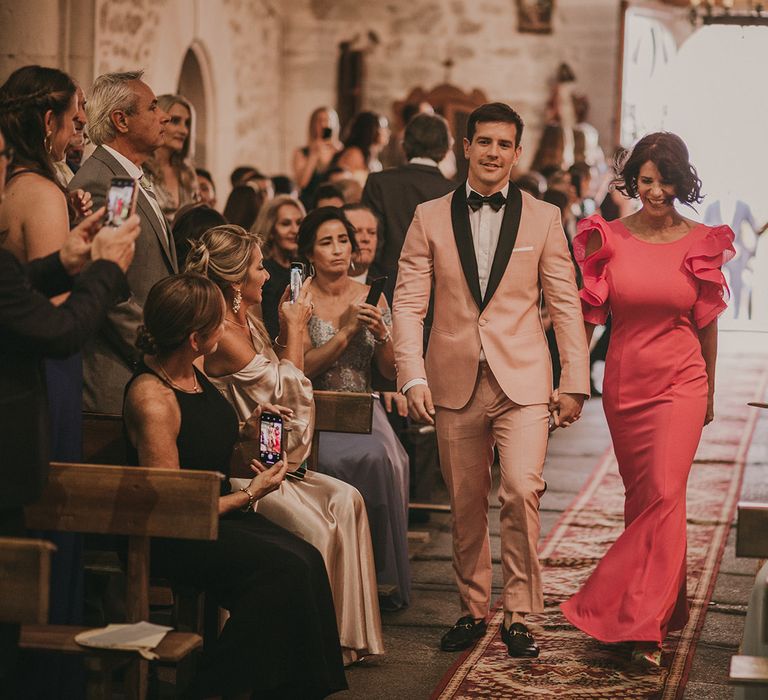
{"x": 395, "y": 401}
{"x": 88, "y": 240}
{"x": 361, "y": 315}
{"x": 565, "y": 408}
{"x": 267, "y": 479}
{"x": 420, "y": 406}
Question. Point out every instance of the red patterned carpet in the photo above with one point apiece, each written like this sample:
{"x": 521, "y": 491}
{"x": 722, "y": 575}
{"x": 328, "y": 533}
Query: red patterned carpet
{"x": 572, "y": 665}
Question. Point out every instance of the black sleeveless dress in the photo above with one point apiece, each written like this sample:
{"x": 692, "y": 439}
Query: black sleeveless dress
{"x": 281, "y": 638}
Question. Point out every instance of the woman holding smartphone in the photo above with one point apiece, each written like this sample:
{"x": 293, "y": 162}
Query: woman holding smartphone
{"x": 326, "y": 512}
{"x": 311, "y": 162}
{"x": 281, "y": 638}
{"x": 346, "y": 335}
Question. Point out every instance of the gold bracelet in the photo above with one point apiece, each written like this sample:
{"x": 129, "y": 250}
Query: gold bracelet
{"x": 251, "y": 499}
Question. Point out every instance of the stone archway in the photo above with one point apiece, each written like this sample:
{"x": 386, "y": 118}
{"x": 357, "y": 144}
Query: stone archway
{"x": 195, "y": 84}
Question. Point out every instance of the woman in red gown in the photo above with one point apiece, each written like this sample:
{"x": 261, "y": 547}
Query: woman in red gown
{"x": 659, "y": 276}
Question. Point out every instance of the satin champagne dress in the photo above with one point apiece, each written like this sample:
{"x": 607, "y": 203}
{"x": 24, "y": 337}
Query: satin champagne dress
{"x": 322, "y": 510}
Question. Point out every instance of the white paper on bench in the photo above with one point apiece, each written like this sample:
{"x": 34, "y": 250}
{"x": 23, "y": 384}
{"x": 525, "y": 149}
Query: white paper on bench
{"x": 140, "y": 636}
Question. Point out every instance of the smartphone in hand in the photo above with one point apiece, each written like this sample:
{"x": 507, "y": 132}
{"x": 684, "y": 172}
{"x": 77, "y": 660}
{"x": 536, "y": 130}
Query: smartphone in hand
{"x": 297, "y": 279}
{"x": 374, "y": 293}
{"x": 121, "y": 200}
{"x": 270, "y": 438}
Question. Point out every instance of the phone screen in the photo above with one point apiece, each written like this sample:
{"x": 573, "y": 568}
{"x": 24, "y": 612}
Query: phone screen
{"x": 119, "y": 201}
{"x": 270, "y": 438}
{"x": 297, "y": 279}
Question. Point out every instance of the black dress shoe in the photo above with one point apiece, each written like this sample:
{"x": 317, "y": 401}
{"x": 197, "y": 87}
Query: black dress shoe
{"x": 519, "y": 640}
{"x": 463, "y": 634}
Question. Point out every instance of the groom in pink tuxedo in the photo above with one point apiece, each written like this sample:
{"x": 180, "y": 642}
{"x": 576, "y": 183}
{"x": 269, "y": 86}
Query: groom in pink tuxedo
{"x": 490, "y": 250}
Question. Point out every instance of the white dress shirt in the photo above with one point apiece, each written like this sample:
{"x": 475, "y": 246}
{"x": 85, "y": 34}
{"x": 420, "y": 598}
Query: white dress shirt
{"x": 486, "y": 229}
{"x": 137, "y": 174}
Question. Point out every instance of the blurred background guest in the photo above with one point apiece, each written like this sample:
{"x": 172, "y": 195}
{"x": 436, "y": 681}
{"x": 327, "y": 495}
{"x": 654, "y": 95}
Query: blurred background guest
{"x": 367, "y": 135}
{"x": 170, "y": 168}
{"x": 278, "y": 227}
{"x": 282, "y": 184}
{"x": 310, "y": 162}
{"x": 328, "y": 195}
{"x": 190, "y": 224}
{"x": 205, "y": 187}
{"x": 243, "y": 205}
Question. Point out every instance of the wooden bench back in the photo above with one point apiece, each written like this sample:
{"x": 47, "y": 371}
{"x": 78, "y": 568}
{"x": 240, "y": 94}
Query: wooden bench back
{"x": 25, "y": 572}
{"x": 128, "y": 501}
{"x": 752, "y": 530}
{"x": 103, "y": 439}
{"x": 340, "y": 412}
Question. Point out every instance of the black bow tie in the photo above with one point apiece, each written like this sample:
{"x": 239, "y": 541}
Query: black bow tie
{"x": 497, "y": 200}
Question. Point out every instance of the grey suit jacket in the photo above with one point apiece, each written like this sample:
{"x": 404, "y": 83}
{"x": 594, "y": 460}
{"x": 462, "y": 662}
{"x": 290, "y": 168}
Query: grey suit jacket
{"x": 108, "y": 360}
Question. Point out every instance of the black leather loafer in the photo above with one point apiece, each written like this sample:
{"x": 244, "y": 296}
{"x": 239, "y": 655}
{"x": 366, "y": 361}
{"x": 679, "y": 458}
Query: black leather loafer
{"x": 463, "y": 634}
{"x": 519, "y": 640}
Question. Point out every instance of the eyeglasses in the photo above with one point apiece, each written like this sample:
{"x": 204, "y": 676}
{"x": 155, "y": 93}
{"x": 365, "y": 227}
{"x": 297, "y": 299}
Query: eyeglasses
{"x": 7, "y": 153}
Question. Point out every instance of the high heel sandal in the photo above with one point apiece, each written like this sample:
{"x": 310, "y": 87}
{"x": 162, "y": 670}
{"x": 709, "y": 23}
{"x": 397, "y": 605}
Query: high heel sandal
{"x": 647, "y": 655}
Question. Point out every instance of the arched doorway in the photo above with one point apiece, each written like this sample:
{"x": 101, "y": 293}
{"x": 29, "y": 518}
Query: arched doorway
{"x": 194, "y": 85}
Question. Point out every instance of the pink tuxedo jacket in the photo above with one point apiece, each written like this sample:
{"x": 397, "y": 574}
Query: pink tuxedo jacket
{"x": 532, "y": 256}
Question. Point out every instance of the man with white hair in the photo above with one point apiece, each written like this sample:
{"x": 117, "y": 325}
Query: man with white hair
{"x": 126, "y": 124}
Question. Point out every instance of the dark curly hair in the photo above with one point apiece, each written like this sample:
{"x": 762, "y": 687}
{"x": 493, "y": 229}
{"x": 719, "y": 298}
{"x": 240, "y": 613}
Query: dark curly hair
{"x": 313, "y": 221}
{"x": 669, "y": 154}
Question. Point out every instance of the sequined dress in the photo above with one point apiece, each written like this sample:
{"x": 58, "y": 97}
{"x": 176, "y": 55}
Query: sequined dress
{"x": 376, "y": 464}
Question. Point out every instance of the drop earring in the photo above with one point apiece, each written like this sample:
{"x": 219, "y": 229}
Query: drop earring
{"x": 237, "y": 301}
{"x": 48, "y": 142}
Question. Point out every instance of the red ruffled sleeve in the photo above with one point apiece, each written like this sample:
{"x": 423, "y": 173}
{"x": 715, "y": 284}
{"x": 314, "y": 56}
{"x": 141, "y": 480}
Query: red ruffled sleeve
{"x": 594, "y": 293}
{"x": 704, "y": 261}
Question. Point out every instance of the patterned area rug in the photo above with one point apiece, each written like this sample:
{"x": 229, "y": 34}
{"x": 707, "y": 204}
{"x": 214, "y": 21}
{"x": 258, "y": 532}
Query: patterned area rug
{"x": 573, "y": 665}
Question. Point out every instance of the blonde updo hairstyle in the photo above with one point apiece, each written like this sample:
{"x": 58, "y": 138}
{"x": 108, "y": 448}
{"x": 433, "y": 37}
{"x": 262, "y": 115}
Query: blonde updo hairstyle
{"x": 176, "y": 307}
{"x": 223, "y": 255}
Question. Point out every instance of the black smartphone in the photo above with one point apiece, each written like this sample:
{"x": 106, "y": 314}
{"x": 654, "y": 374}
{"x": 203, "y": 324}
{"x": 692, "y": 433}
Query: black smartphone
{"x": 374, "y": 293}
{"x": 326, "y": 133}
{"x": 121, "y": 200}
{"x": 270, "y": 438}
{"x": 297, "y": 279}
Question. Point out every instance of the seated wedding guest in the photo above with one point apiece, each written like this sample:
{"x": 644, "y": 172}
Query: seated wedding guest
{"x": 190, "y": 223}
{"x": 311, "y": 162}
{"x": 280, "y": 639}
{"x": 351, "y": 190}
{"x": 278, "y": 228}
{"x": 282, "y": 184}
{"x": 345, "y": 336}
{"x": 31, "y": 329}
{"x": 64, "y": 172}
{"x": 328, "y": 195}
{"x": 533, "y": 183}
{"x": 324, "y": 511}
{"x": 363, "y": 268}
{"x": 206, "y": 188}
{"x": 126, "y": 125}
{"x": 241, "y": 174}
{"x": 394, "y": 194}
{"x": 367, "y": 136}
{"x": 243, "y": 206}
{"x": 170, "y": 169}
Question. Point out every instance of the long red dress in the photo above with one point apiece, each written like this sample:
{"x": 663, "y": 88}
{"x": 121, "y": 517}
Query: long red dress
{"x": 655, "y": 400}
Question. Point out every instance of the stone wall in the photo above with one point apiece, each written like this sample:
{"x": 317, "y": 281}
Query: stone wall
{"x": 267, "y": 63}
{"x": 413, "y": 39}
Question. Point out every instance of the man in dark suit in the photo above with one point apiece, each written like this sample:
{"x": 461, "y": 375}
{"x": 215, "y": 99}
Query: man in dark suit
{"x": 126, "y": 123}
{"x": 31, "y": 328}
{"x": 394, "y": 194}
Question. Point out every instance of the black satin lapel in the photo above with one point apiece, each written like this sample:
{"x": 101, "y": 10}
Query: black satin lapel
{"x": 462, "y": 232}
{"x": 510, "y": 223}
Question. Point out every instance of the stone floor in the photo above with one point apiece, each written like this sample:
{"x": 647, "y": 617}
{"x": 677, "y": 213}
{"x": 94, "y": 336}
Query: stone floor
{"x": 414, "y": 665}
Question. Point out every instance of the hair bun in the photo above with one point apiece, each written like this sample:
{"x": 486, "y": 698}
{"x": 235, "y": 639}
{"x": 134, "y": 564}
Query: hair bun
{"x": 145, "y": 341}
{"x": 198, "y": 257}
